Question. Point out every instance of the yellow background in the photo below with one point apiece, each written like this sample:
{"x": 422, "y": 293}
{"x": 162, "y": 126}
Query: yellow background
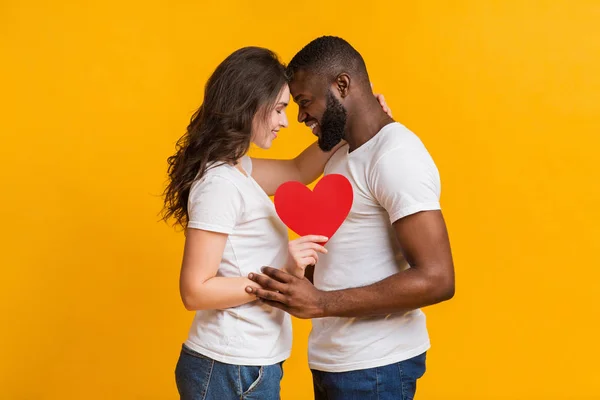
{"x": 505, "y": 94}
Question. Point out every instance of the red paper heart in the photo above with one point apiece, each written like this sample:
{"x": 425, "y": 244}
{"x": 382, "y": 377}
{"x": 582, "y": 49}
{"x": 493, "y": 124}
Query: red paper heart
{"x": 320, "y": 212}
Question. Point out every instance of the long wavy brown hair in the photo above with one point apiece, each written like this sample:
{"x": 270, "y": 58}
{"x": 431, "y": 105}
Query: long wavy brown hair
{"x": 244, "y": 86}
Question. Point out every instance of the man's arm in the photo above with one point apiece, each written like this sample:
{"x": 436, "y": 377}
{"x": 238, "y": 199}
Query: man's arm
{"x": 429, "y": 280}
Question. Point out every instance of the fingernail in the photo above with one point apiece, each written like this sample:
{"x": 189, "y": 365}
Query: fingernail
{"x": 248, "y": 289}
{"x": 250, "y": 275}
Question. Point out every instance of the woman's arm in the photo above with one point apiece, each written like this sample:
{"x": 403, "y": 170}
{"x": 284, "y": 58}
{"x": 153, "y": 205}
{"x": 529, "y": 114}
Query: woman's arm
{"x": 305, "y": 168}
{"x": 199, "y": 286}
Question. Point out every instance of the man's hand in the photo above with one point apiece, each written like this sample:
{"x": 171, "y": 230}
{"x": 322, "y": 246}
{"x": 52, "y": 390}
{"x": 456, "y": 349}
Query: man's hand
{"x": 296, "y": 296}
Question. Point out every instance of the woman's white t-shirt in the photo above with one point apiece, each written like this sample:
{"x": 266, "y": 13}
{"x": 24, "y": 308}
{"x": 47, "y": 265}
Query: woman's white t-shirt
{"x": 225, "y": 200}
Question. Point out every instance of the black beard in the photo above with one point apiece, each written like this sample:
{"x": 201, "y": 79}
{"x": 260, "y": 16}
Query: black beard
{"x": 332, "y": 124}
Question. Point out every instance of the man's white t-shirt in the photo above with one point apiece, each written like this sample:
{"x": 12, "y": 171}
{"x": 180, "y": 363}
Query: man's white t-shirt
{"x": 226, "y": 201}
{"x": 392, "y": 176}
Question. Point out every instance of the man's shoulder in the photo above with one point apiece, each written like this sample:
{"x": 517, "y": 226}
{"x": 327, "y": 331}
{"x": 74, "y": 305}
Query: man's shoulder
{"x": 394, "y": 137}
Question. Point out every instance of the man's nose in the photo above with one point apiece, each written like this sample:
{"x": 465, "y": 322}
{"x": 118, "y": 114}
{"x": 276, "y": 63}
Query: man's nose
{"x": 301, "y": 116}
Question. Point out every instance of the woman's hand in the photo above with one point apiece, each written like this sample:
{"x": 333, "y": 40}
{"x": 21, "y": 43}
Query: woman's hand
{"x": 303, "y": 252}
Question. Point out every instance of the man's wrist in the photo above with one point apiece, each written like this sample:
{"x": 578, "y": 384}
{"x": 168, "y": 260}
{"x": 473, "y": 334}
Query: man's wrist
{"x": 323, "y": 304}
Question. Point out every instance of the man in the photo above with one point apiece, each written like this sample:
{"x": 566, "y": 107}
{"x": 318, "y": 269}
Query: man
{"x": 389, "y": 258}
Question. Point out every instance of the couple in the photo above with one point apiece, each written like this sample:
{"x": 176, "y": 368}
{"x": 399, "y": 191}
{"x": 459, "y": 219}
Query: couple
{"x": 388, "y": 259}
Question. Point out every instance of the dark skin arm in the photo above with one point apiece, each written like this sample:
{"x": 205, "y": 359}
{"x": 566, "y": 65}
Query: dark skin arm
{"x": 430, "y": 279}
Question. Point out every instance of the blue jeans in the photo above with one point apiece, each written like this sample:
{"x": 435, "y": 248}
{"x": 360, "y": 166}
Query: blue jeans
{"x": 396, "y": 381}
{"x": 201, "y": 378}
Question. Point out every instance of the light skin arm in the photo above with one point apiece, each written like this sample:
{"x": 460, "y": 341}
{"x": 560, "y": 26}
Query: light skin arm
{"x": 305, "y": 168}
{"x": 199, "y": 286}
{"x": 430, "y": 279}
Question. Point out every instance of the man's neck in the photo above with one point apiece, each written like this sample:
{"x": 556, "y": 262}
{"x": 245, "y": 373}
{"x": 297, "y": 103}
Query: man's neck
{"x": 364, "y": 122}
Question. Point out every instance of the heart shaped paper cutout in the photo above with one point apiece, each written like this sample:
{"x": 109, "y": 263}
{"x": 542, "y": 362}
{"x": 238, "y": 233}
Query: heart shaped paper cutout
{"x": 318, "y": 212}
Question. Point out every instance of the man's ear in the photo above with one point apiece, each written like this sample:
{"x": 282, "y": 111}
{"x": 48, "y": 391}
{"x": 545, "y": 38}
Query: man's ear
{"x": 342, "y": 84}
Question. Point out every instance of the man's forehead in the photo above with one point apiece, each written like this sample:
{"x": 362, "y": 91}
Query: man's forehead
{"x": 304, "y": 81}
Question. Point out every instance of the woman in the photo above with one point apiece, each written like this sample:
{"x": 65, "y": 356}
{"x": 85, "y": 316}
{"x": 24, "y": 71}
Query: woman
{"x": 236, "y": 345}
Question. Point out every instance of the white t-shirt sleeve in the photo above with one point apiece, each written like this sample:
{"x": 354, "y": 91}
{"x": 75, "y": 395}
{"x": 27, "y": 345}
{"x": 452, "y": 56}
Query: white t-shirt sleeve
{"x": 215, "y": 204}
{"x": 247, "y": 164}
{"x": 406, "y": 181}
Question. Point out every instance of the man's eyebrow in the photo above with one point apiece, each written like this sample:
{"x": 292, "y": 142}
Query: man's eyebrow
{"x": 297, "y": 98}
